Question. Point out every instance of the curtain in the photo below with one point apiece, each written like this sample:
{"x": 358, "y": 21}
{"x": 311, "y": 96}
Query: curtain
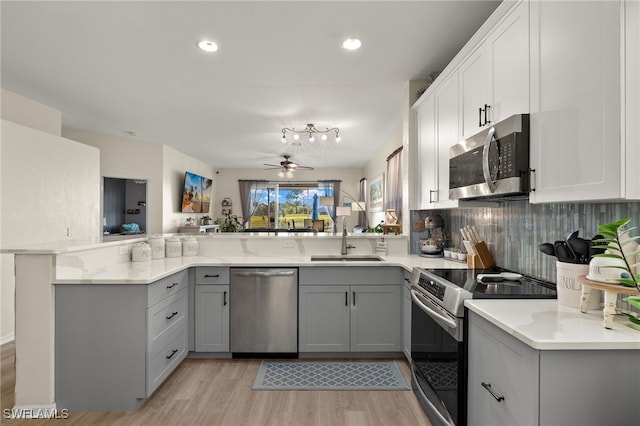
{"x": 332, "y": 186}
{"x": 249, "y": 190}
{"x": 362, "y": 196}
{"x": 394, "y": 183}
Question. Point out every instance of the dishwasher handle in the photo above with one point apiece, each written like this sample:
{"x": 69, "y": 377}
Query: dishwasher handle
{"x": 264, "y": 273}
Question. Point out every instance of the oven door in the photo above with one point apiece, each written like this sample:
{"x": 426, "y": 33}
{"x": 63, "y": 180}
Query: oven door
{"x": 437, "y": 359}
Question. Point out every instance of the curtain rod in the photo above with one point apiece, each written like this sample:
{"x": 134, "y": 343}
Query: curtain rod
{"x": 394, "y": 153}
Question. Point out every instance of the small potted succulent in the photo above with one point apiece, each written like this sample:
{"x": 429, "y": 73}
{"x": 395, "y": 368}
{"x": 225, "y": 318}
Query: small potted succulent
{"x": 206, "y": 220}
{"x": 623, "y": 250}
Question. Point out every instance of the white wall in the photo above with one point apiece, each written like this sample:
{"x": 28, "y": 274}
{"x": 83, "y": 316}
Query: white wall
{"x": 225, "y": 184}
{"x": 30, "y": 113}
{"x": 378, "y": 164}
{"x": 174, "y": 164}
{"x": 128, "y": 158}
{"x": 50, "y": 189}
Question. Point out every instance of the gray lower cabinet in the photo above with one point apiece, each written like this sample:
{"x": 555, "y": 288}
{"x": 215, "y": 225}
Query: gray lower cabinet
{"x": 115, "y": 344}
{"x": 406, "y": 315}
{"x": 354, "y": 309}
{"x": 510, "y": 383}
{"x": 212, "y": 309}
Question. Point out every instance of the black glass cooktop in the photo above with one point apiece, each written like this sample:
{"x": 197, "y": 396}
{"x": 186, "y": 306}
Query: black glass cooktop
{"x": 523, "y": 288}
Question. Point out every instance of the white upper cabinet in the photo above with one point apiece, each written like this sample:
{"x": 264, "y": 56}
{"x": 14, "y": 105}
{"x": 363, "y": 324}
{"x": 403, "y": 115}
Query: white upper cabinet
{"x": 631, "y": 138}
{"x": 576, "y": 87}
{"x": 448, "y": 134}
{"x": 425, "y": 139}
{"x": 437, "y": 129}
{"x": 494, "y": 79}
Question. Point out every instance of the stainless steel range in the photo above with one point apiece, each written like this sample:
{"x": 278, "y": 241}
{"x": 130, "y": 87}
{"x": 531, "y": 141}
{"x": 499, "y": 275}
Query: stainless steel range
{"x": 438, "y": 348}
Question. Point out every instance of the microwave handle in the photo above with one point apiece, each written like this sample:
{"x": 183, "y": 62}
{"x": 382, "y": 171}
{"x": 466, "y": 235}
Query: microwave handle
{"x": 485, "y": 160}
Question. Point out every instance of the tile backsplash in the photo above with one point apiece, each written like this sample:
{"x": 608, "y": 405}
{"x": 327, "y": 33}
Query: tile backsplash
{"x": 515, "y": 228}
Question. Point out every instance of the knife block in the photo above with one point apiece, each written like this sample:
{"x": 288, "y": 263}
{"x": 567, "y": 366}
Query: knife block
{"x": 482, "y": 257}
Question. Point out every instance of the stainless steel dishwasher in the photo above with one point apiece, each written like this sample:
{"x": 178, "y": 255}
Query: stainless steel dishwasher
{"x": 264, "y": 311}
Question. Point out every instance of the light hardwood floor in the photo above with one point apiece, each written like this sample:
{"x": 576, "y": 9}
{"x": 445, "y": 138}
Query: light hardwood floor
{"x": 218, "y": 392}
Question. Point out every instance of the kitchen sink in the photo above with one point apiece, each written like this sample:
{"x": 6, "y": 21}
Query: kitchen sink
{"x": 347, "y": 258}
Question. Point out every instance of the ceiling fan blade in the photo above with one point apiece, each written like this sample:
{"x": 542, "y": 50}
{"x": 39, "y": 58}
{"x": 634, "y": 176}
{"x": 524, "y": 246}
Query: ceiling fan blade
{"x": 305, "y": 167}
{"x": 271, "y": 165}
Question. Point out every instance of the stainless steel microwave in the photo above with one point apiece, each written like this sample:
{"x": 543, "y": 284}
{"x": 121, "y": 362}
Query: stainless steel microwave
{"x": 493, "y": 163}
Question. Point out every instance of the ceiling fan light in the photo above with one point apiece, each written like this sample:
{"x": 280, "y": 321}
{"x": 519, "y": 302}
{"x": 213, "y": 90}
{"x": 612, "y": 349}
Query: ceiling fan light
{"x": 283, "y": 139}
{"x": 338, "y": 138}
{"x": 281, "y": 173}
{"x": 311, "y": 138}
{"x": 323, "y": 137}
{"x": 289, "y": 174}
{"x": 296, "y": 136}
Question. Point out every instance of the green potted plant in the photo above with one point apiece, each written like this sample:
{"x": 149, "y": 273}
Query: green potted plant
{"x": 206, "y": 220}
{"x": 230, "y": 223}
{"x": 624, "y": 248}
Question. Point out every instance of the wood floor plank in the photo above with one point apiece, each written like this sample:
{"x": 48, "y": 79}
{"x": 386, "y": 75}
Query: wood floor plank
{"x": 218, "y": 392}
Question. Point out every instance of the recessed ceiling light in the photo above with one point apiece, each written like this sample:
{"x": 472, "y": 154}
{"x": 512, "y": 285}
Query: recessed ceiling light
{"x": 351, "y": 44}
{"x": 208, "y": 46}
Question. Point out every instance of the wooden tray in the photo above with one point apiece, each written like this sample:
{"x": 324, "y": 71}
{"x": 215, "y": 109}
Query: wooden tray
{"x": 616, "y": 288}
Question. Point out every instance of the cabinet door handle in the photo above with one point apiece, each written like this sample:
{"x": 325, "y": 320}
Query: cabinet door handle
{"x": 480, "y": 117}
{"x": 486, "y": 110}
{"x": 346, "y": 298}
{"x": 487, "y": 386}
{"x": 431, "y": 191}
{"x": 532, "y": 180}
{"x": 173, "y": 285}
{"x": 173, "y": 352}
{"x": 354, "y": 298}
{"x": 224, "y": 303}
{"x": 173, "y": 314}
{"x": 212, "y": 275}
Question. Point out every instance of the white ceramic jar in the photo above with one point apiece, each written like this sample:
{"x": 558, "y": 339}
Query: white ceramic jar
{"x": 157, "y": 246}
{"x": 173, "y": 247}
{"x": 189, "y": 246}
{"x": 141, "y": 252}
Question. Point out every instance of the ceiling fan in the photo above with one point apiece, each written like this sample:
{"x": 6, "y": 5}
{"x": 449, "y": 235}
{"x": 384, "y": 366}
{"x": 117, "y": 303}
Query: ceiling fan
{"x": 287, "y": 167}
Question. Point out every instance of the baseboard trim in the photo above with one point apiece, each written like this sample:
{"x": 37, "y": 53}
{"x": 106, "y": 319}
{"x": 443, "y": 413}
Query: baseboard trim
{"x": 8, "y": 338}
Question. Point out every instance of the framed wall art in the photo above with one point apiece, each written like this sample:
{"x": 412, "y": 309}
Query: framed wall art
{"x": 376, "y": 193}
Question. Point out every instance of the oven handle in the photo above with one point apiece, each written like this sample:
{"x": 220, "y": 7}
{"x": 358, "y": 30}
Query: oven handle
{"x": 420, "y": 301}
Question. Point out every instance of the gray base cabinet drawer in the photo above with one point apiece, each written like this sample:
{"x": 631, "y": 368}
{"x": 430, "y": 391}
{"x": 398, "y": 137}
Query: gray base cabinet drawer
{"x": 167, "y": 286}
{"x": 163, "y": 360}
{"x": 166, "y": 316}
{"x": 212, "y": 275}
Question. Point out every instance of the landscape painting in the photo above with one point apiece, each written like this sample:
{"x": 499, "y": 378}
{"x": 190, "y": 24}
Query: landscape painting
{"x": 192, "y": 193}
{"x": 376, "y": 193}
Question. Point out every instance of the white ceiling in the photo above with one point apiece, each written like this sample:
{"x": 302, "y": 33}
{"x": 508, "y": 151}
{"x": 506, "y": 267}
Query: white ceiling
{"x": 118, "y": 67}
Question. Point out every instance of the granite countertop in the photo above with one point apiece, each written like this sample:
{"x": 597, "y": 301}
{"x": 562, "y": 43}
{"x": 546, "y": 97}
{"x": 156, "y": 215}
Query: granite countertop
{"x": 548, "y": 325}
{"x": 70, "y": 271}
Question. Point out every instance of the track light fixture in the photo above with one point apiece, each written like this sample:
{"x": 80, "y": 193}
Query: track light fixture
{"x": 309, "y": 131}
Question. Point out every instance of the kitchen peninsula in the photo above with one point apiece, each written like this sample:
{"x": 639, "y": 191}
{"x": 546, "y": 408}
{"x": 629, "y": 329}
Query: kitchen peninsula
{"x": 40, "y": 270}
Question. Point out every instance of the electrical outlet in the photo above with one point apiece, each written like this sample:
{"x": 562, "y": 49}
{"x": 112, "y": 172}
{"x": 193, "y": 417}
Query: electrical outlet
{"x": 288, "y": 244}
{"x": 122, "y": 250}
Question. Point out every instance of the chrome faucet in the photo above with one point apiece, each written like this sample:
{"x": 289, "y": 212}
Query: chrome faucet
{"x": 345, "y": 246}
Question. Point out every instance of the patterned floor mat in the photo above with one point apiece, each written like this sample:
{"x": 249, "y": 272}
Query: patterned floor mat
{"x": 306, "y": 375}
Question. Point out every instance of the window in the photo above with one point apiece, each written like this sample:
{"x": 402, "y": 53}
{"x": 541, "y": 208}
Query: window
{"x": 287, "y": 205}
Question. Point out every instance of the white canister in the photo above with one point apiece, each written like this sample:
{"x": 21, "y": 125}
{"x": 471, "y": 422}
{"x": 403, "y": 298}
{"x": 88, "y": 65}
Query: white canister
{"x": 141, "y": 252}
{"x": 189, "y": 246}
{"x": 173, "y": 247}
{"x": 157, "y": 246}
{"x": 569, "y": 289}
